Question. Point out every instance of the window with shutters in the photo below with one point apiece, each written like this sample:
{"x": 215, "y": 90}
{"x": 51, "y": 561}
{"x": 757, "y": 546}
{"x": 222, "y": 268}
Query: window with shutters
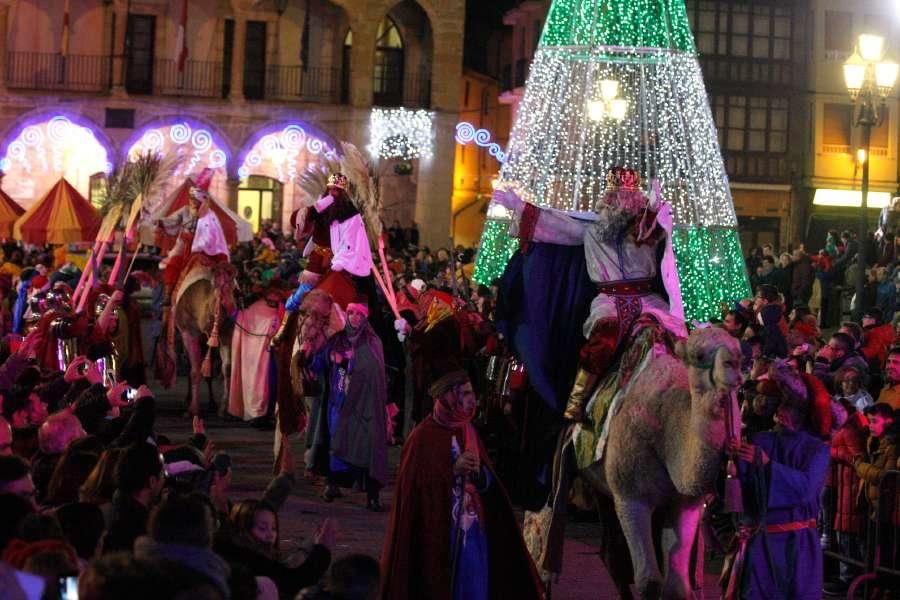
{"x": 837, "y": 128}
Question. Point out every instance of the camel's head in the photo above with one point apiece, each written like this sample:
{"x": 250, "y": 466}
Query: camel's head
{"x": 713, "y": 358}
{"x": 319, "y": 319}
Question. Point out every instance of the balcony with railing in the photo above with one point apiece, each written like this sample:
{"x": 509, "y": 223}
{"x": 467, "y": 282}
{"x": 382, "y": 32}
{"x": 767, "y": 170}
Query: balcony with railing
{"x": 399, "y": 90}
{"x": 294, "y": 83}
{"x": 49, "y": 72}
{"x": 199, "y": 79}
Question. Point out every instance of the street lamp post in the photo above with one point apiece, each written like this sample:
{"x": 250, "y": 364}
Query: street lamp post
{"x": 869, "y": 80}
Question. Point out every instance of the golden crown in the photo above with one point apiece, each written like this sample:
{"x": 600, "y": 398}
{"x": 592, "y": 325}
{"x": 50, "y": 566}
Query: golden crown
{"x": 338, "y": 180}
{"x": 622, "y": 179}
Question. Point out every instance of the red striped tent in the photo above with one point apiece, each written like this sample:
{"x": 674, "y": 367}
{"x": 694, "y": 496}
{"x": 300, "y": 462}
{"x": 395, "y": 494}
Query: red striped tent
{"x": 235, "y": 228}
{"x": 9, "y": 214}
{"x": 62, "y": 216}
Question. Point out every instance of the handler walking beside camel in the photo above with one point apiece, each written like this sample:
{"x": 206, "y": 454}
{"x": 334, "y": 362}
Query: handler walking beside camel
{"x": 783, "y": 473}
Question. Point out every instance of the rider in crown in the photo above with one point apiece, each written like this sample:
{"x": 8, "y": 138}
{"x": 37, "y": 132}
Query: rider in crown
{"x": 620, "y": 248}
{"x": 337, "y": 248}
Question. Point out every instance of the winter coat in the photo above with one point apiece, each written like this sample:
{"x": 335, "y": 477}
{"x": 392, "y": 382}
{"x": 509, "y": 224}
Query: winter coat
{"x": 825, "y": 370}
{"x": 881, "y": 456}
{"x": 802, "y": 280}
{"x": 886, "y": 298}
{"x": 848, "y": 444}
{"x": 774, "y": 343}
{"x": 876, "y": 341}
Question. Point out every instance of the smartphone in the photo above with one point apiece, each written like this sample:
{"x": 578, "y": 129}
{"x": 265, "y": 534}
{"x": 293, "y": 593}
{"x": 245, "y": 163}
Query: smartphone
{"x": 68, "y": 587}
{"x": 130, "y": 394}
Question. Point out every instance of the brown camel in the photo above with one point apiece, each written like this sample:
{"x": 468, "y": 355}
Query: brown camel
{"x": 664, "y": 450}
{"x": 195, "y": 312}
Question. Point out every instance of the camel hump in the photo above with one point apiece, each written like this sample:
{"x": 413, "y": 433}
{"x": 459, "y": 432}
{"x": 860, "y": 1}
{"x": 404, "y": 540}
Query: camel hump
{"x": 663, "y": 372}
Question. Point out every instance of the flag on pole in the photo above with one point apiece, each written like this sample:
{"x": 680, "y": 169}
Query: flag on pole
{"x": 182, "y": 37}
{"x": 64, "y": 43}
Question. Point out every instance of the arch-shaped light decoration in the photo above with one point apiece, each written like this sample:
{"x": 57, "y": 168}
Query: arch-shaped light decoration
{"x": 197, "y": 144}
{"x": 48, "y": 147}
{"x": 278, "y": 153}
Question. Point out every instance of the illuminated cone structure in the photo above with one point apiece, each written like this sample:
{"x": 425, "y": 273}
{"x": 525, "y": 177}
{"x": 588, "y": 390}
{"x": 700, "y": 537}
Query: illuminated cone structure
{"x": 574, "y": 123}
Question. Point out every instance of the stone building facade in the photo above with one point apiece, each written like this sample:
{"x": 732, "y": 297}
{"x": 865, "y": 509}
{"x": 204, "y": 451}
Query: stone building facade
{"x": 266, "y": 88}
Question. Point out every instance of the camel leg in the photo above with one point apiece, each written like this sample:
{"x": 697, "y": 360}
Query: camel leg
{"x": 686, "y": 519}
{"x": 192, "y": 347}
{"x": 635, "y": 517}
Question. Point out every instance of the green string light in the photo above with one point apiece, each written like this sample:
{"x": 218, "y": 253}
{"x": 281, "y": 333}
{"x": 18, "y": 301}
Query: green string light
{"x": 496, "y": 249}
{"x": 711, "y": 271}
{"x": 558, "y": 155}
{"x": 638, "y": 23}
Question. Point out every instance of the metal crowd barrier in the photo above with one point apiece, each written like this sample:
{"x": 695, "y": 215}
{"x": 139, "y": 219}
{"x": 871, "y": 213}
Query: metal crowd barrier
{"x": 880, "y": 562}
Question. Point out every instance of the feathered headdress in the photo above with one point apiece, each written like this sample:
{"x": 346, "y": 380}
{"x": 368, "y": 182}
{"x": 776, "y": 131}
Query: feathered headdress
{"x": 361, "y": 185}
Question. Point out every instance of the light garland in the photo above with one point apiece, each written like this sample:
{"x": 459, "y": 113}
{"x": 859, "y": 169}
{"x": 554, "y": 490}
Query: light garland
{"x": 47, "y": 149}
{"x": 558, "y": 155}
{"x": 710, "y": 270}
{"x": 497, "y": 247}
{"x": 282, "y": 150}
{"x": 51, "y": 145}
{"x": 196, "y": 144}
{"x": 466, "y": 134}
{"x": 401, "y": 133}
{"x": 636, "y": 23}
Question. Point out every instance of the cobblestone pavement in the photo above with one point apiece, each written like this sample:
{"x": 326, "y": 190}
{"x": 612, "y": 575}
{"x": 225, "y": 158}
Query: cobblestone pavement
{"x": 361, "y": 530}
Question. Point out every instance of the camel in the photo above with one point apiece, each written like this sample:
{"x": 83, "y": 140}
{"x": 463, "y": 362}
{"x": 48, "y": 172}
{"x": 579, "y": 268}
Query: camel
{"x": 199, "y": 304}
{"x": 664, "y": 450}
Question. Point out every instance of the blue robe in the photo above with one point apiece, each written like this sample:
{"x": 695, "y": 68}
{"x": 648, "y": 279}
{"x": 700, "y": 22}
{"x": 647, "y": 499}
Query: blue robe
{"x": 471, "y": 575}
{"x": 789, "y": 564}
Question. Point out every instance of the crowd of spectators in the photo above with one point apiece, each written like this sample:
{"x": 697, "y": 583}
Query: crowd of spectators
{"x": 90, "y": 488}
{"x": 800, "y": 314}
{"x": 274, "y": 255}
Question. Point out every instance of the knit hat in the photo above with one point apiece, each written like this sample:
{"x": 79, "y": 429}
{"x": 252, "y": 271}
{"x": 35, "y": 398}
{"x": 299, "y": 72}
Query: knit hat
{"x": 807, "y": 394}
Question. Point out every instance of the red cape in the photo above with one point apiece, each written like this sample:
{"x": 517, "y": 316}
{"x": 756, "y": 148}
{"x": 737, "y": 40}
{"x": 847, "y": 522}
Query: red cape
{"x": 416, "y": 561}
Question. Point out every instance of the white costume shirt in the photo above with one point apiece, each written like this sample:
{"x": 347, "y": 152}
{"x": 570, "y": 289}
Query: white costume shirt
{"x": 209, "y": 238}
{"x": 608, "y": 261}
{"x": 349, "y": 243}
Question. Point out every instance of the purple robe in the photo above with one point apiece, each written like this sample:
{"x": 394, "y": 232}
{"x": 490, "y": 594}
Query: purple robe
{"x": 786, "y": 564}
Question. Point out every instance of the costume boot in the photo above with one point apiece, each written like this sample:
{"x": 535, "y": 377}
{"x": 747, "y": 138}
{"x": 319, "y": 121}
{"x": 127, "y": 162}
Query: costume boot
{"x": 581, "y": 393}
{"x": 287, "y": 323}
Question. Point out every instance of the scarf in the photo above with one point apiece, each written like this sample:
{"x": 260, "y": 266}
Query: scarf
{"x": 450, "y": 413}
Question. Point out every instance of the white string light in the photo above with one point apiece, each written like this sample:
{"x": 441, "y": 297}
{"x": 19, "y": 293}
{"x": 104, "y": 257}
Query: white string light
{"x": 558, "y": 155}
{"x": 401, "y": 133}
